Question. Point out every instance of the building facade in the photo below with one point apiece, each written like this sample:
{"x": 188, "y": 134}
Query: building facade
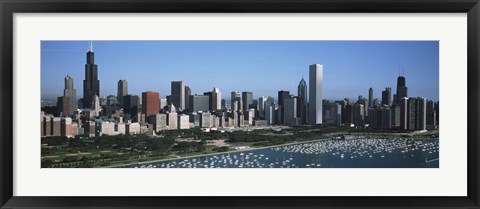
{"x": 91, "y": 84}
{"x": 150, "y": 103}
{"x": 122, "y": 90}
{"x": 315, "y": 94}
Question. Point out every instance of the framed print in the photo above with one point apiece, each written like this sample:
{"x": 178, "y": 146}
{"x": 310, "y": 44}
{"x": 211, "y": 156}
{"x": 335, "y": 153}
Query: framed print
{"x": 261, "y": 104}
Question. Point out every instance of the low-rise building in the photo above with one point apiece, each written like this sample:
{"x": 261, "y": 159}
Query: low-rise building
{"x": 183, "y": 122}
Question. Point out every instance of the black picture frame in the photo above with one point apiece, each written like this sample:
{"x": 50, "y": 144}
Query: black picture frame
{"x": 10, "y": 7}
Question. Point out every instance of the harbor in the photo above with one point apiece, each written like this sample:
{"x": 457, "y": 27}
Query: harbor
{"x": 362, "y": 152}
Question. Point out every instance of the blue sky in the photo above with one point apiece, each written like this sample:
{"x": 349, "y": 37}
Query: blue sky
{"x": 263, "y": 67}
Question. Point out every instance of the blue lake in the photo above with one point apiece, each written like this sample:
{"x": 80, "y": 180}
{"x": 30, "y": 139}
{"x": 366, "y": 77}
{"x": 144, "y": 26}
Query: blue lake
{"x": 364, "y": 152}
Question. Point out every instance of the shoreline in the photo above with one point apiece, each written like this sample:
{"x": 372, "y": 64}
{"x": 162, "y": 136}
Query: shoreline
{"x": 227, "y": 152}
{"x": 217, "y": 153}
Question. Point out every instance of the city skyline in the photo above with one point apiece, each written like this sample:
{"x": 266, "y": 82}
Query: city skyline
{"x": 261, "y": 75}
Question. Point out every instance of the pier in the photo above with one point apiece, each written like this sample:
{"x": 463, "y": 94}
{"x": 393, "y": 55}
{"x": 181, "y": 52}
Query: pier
{"x": 431, "y": 160}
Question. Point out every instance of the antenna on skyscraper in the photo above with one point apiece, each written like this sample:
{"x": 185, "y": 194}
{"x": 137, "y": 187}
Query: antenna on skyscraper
{"x": 90, "y": 46}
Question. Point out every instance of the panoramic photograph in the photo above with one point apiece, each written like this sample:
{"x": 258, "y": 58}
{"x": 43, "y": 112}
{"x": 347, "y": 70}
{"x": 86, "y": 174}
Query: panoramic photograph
{"x": 239, "y": 104}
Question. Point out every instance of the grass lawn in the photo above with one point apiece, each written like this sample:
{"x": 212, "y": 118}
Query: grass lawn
{"x": 90, "y": 153}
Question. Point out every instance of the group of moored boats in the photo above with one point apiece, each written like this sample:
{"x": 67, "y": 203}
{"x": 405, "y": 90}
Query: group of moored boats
{"x": 362, "y": 147}
{"x": 269, "y": 157}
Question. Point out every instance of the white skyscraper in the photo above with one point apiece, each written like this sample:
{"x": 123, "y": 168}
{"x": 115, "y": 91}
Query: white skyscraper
{"x": 216, "y": 99}
{"x": 315, "y": 94}
{"x": 96, "y": 105}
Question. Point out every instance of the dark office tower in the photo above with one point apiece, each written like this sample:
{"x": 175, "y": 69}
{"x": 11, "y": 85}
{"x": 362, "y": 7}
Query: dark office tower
{"x": 437, "y": 112}
{"x": 347, "y": 114}
{"x": 71, "y": 93}
{"x": 188, "y": 92}
{"x": 233, "y": 98}
{"x": 281, "y": 97}
{"x": 210, "y": 99}
{"x": 302, "y": 106}
{"x": 63, "y": 107}
{"x": 358, "y": 114}
{"x": 247, "y": 99}
{"x": 150, "y": 103}
{"x": 386, "y": 117}
{"x": 122, "y": 90}
{"x": 431, "y": 115}
{"x": 411, "y": 114}
{"x": 395, "y": 113}
{"x": 402, "y": 90}
{"x": 131, "y": 104}
{"x": 387, "y": 96}
{"x": 178, "y": 94}
{"x": 91, "y": 84}
{"x": 290, "y": 110}
{"x": 417, "y": 113}
{"x": 370, "y": 97}
{"x": 199, "y": 103}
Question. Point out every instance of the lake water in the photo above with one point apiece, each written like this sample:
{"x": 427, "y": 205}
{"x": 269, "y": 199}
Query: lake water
{"x": 354, "y": 153}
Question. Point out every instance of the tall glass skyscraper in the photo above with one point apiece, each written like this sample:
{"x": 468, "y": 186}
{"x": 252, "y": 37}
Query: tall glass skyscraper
{"x": 247, "y": 98}
{"x": 302, "y": 101}
{"x": 402, "y": 90}
{"x": 216, "y": 99}
{"x": 122, "y": 90}
{"x": 178, "y": 94}
{"x": 91, "y": 84}
{"x": 370, "y": 97}
{"x": 315, "y": 98}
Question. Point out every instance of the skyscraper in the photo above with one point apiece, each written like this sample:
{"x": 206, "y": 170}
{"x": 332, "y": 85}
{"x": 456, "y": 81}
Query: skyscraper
{"x": 233, "y": 97}
{"x": 370, "y": 97}
{"x": 290, "y": 110}
{"x": 402, "y": 90}
{"x": 418, "y": 113}
{"x": 281, "y": 98}
{"x": 261, "y": 107}
{"x": 358, "y": 114}
{"x": 71, "y": 93}
{"x": 199, "y": 103}
{"x": 216, "y": 99}
{"x": 96, "y": 105}
{"x": 178, "y": 94}
{"x": 247, "y": 98}
{"x": 150, "y": 103}
{"x": 188, "y": 92}
{"x": 63, "y": 106}
{"x": 387, "y": 96}
{"x": 302, "y": 102}
{"x": 91, "y": 84}
{"x": 269, "y": 111}
{"x": 122, "y": 90}
{"x": 131, "y": 104}
{"x": 315, "y": 100}
{"x": 209, "y": 94}
{"x": 404, "y": 113}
